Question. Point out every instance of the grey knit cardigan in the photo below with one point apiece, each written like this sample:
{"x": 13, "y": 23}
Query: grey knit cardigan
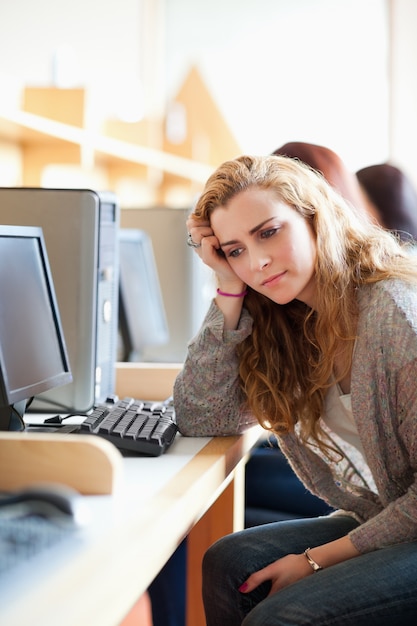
{"x": 209, "y": 402}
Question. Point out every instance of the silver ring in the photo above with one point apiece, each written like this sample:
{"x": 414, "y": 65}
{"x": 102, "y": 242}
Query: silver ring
{"x": 192, "y": 243}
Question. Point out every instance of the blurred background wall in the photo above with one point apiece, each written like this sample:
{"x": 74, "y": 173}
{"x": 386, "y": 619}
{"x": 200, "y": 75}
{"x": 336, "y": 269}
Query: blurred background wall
{"x": 147, "y": 97}
{"x": 336, "y": 72}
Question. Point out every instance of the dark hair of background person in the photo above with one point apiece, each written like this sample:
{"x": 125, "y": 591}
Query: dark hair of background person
{"x": 334, "y": 171}
{"x": 394, "y": 195}
{"x": 383, "y": 191}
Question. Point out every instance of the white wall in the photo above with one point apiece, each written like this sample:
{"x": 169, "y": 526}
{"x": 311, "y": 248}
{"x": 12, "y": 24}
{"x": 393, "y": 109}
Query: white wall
{"x": 283, "y": 70}
{"x": 91, "y": 43}
{"x": 280, "y": 70}
{"x": 336, "y": 72}
{"x": 403, "y": 131}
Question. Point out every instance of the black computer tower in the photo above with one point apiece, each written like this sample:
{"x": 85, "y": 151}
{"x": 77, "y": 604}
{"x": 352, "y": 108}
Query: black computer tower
{"x": 80, "y": 227}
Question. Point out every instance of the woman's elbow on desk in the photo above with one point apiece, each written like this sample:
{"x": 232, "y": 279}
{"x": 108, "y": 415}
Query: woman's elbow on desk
{"x": 210, "y": 415}
{"x": 201, "y": 428}
{"x": 200, "y": 422}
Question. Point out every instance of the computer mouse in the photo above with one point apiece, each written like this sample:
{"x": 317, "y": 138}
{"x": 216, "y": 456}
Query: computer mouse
{"x": 54, "y": 501}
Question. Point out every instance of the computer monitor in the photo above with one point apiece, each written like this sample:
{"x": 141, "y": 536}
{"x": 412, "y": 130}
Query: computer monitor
{"x": 187, "y": 284}
{"x": 142, "y": 319}
{"x": 80, "y": 231}
{"x": 33, "y": 355}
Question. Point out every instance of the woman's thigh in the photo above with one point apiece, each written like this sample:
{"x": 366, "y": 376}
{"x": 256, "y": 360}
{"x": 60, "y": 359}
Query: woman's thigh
{"x": 379, "y": 588}
{"x": 229, "y": 562}
{"x": 375, "y": 589}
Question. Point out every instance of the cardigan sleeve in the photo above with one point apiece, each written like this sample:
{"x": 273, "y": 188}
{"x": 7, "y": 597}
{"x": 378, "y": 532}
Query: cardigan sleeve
{"x": 207, "y": 396}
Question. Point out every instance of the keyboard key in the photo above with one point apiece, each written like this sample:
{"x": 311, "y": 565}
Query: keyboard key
{"x": 148, "y": 428}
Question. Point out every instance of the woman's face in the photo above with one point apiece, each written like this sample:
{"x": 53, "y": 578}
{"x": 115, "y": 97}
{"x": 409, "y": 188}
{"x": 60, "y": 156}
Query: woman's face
{"x": 268, "y": 244}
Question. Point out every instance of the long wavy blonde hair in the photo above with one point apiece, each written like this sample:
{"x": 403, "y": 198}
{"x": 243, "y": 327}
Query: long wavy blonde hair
{"x": 287, "y": 362}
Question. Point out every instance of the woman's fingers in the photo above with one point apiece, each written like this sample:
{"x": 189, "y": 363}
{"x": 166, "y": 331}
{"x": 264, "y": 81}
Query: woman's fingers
{"x": 280, "y": 573}
{"x": 197, "y": 231}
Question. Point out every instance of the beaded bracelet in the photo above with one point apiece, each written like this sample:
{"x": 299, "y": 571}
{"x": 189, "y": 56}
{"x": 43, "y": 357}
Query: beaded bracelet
{"x": 232, "y": 295}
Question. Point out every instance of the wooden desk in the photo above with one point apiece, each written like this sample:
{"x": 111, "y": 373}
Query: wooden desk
{"x": 194, "y": 489}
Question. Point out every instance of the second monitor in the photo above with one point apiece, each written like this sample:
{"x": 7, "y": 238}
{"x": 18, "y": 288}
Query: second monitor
{"x": 142, "y": 318}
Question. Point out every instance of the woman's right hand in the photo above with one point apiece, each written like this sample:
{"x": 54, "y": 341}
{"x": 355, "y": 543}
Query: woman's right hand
{"x": 213, "y": 256}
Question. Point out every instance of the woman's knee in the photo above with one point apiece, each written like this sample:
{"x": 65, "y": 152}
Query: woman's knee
{"x": 219, "y": 554}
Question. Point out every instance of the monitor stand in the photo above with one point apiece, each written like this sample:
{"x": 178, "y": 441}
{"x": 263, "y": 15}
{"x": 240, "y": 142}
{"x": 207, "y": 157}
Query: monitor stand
{"x": 11, "y": 417}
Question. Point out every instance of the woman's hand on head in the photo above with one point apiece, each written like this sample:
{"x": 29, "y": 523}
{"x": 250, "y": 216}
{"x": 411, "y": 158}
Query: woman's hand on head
{"x": 198, "y": 229}
{"x": 210, "y": 253}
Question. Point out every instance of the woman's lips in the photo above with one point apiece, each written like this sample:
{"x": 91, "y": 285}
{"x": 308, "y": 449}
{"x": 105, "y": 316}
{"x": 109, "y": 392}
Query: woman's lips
{"x": 273, "y": 280}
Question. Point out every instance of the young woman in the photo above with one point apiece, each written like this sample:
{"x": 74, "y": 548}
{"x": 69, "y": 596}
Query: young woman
{"x": 313, "y": 334}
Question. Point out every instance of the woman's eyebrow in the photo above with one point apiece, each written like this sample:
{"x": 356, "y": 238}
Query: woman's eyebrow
{"x": 256, "y": 228}
{"x": 251, "y": 232}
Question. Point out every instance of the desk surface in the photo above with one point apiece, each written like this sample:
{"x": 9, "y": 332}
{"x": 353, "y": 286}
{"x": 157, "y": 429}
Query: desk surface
{"x": 97, "y": 577}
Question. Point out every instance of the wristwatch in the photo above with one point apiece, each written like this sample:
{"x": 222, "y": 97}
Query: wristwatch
{"x": 314, "y": 566}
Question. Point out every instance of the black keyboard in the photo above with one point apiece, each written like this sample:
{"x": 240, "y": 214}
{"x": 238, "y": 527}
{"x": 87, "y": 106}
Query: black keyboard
{"x": 139, "y": 426}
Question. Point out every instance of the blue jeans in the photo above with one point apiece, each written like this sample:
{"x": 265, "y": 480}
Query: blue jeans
{"x": 374, "y": 589}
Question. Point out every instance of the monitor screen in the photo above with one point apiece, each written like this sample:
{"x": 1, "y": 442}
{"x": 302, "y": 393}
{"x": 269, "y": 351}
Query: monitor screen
{"x": 142, "y": 320}
{"x": 33, "y": 356}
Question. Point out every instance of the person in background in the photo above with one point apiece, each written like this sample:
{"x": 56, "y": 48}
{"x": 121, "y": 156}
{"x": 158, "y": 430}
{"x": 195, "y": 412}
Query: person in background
{"x": 334, "y": 170}
{"x": 312, "y": 334}
{"x": 393, "y": 194}
{"x": 383, "y": 190}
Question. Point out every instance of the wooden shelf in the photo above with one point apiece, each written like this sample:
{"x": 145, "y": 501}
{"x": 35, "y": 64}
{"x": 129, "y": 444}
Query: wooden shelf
{"x": 29, "y": 129}
{"x": 54, "y": 140}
